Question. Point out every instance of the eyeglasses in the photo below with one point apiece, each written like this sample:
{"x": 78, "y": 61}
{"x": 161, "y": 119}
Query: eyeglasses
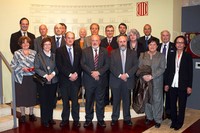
{"x": 180, "y": 42}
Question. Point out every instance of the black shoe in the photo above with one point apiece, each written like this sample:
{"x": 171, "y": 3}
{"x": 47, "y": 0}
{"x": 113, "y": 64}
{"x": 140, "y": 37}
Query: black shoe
{"x": 113, "y": 122}
{"x": 147, "y": 121}
{"x": 32, "y": 117}
{"x": 22, "y": 119}
{"x": 45, "y": 124}
{"x": 172, "y": 126}
{"x": 52, "y": 122}
{"x": 128, "y": 122}
{"x": 63, "y": 123}
{"x": 177, "y": 128}
{"x": 76, "y": 124}
{"x": 157, "y": 125}
{"x": 87, "y": 123}
{"x": 102, "y": 123}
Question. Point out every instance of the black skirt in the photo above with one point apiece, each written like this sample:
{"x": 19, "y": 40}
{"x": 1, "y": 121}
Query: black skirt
{"x": 26, "y": 93}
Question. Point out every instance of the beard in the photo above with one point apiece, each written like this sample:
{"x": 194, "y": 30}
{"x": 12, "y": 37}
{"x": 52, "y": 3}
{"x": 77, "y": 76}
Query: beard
{"x": 122, "y": 48}
{"x": 95, "y": 47}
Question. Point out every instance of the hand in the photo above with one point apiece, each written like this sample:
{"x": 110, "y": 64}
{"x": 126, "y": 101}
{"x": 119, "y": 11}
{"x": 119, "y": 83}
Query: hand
{"x": 147, "y": 78}
{"x": 95, "y": 75}
{"x": 166, "y": 88}
{"x": 25, "y": 69}
{"x": 73, "y": 77}
{"x": 123, "y": 77}
{"x": 189, "y": 90}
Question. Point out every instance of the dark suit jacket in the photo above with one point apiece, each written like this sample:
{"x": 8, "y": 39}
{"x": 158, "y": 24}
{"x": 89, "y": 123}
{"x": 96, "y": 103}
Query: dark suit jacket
{"x": 140, "y": 48}
{"x": 63, "y": 43}
{"x": 171, "y": 49}
{"x": 64, "y": 65}
{"x": 14, "y": 41}
{"x": 116, "y": 68}
{"x": 185, "y": 70}
{"x": 87, "y": 64}
{"x": 113, "y": 43}
{"x": 143, "y": 41}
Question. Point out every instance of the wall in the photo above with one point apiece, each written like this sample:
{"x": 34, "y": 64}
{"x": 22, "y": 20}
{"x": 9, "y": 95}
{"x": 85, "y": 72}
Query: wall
{"x": 162, "y": 15}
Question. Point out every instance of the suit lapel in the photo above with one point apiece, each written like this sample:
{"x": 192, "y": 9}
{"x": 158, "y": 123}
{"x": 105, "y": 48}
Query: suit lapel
{"x": 118, "y": 56}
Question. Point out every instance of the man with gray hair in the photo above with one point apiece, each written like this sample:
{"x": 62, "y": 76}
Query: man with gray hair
{"x": 167, "y": 48}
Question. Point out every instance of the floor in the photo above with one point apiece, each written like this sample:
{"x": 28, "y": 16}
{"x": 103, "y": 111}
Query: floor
{"x": 191, "y": 125}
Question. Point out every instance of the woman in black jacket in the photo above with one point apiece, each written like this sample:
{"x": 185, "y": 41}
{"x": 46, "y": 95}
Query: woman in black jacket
{"x": 179, "y": 74}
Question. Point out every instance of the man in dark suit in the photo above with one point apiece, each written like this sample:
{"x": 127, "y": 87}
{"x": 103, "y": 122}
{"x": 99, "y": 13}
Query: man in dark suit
{"x": 68, "y": 62}
{"x": 167, "y": 48}
{"x": 123, "y": 66}
{"x": 43, "y": 34}
{"x": 58, "y": 39}
{"x": 110, "y": 43}
{"x": 95, "y": 64}
{"x": 24, "y": 23}
{"x": 147, "y": 35}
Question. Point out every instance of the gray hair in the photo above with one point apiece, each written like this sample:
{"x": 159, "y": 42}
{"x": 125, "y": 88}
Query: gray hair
{"x": 134, "y": 31}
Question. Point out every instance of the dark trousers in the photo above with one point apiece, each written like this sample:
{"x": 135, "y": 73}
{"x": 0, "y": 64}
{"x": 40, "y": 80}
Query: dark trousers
{"x": 69, "y": 91}
{"x": 121, "y": 93}
{"x": 47, "y": 94}
{"x": 167, "y": 102}
{"x": 95, "y": 93}
{"x": 180, "y": 95}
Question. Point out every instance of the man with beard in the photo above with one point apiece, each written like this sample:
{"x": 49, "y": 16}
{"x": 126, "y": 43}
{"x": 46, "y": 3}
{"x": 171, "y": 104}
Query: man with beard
{"x": 123, "y": 66}
{"x": 95, "y": 63}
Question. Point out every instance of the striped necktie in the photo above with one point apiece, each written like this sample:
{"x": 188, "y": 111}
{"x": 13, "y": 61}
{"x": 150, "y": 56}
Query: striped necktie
{"x": 96, "y": 59}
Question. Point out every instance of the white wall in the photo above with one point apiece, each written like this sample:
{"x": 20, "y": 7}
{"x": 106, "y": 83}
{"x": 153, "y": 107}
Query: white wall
{"x": 162, "y": 15}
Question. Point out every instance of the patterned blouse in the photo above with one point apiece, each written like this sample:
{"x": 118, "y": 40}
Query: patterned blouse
{"x": 20, "y": 61}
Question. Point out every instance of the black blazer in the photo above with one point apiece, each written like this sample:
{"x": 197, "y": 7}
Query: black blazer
{"x": 131, "y": 66}
{"x": 64, "y": 65}
{"x": 87, "y": 64}
{"x": 113, "y": 43}
{"x": 140, "y": 48}
{"x": 143, "y": 41}
{"x": 171, "y": 49}
{"x": 14, "y": 41}
{"x": 53, "y": 49}
{"x": 77, "y": 43}
{"x": 185, "y": 71}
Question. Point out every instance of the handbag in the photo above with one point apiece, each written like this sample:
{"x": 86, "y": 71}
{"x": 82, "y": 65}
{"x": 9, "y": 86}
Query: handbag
{"x": 39, "y": 79}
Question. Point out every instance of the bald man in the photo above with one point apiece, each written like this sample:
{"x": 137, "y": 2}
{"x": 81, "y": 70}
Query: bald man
{"x": 95, "y": 63}
{"x": 147, "y": 35}
{"x": 58, "y": 39}
{"x": 43, "y": 34}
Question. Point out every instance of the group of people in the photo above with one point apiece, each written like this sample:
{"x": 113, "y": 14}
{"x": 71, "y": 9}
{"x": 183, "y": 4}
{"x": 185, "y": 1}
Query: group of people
{"x": 98, "y": 63}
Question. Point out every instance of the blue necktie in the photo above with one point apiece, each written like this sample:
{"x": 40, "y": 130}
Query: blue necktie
{"x": 146, "y": 39}
{"x": 57, "y": 42}
{"x": 70, "y": 56}
{"x": 164, "y": 50}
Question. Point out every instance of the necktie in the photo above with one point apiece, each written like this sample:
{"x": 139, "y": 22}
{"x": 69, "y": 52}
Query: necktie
{"x": 57, "y": 42}
{"x": 123, "y": 60}
{"x": 164, "y": 50}
{"x": 24, "y": 33}
{"x": 109, "y": 41}
{"x": 109, "y": 48}
{"x": 146, "y": 40}
{"x": 95, "y": 59}
{"x": 70, "y": 56}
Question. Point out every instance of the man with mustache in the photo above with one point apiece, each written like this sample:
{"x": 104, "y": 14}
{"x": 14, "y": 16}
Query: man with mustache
{"x": 95, "y": 63}
{"x": 123, "y": 66}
